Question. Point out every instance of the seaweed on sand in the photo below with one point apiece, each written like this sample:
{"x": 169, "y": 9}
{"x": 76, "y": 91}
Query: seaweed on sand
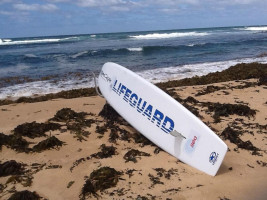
{"x": 229, "y": 109}
{"x": 75, "y": 122}
{"x": 24, "y": 195}
{"x": 77, "y": 129}
{"x": 34, "y": 129}
{"x": 67, "y": 114}
{"x": 14, "y": 142}
{"x": 99, "y": 180}
{"x": 238, "y": 72}
{"x": 24, "y": 180}
{"x": 110, "y": 114}
{"x": 132, "y": 155}
{"x": 263, "y": 80}
{"x": 209, "y": 89}
{"x": 142, "y": 140}
{"x": 106, "y": 152}
{"x": 167, "y": 174}
{"x": 101, "y": 129}
{"x": 155, "y": 180}
{"x": 234, "y": 137}
{"x": 11, "y": 167}
{"x": 49, "y": 143}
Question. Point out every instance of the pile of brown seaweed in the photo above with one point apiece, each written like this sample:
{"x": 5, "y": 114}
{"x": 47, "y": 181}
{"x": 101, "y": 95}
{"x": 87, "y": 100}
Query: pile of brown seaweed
{"x": 11, "y": 167}
{"x": 25, "y": 195}
{"x": 99, "y": 180}
{"x": 227, "y": 109}
{"x": 33, "y": 129}
{"x": 234, "y": 137}
{"x": 238, "y": 72}
{"x": 14, "y": 142}
{"x": 75, "y": 122}
{"x": 49, "y": 143}
{"x": 132, "y": 155}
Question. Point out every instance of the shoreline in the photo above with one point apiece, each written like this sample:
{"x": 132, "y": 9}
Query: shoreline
{"x": 16, "y": 87}
{"x": 86, "y": 141}
{"x": 236, "y": 72}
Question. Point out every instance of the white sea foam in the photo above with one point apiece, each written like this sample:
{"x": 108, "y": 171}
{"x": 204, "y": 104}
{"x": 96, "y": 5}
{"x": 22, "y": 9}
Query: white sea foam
{"x": 79, "y": 54}
{"x": 33, "y": 41}
{"x": 187, "y": 71}
{"x": 30, "y": 56}
{"x": 168, "y": 35}
{"x": 153, "y": 75}
{"x": 256, "y": 28}
{"x": 135, "y": 49}
{"x": 7, "y": 40}
{"x": 43, "y": 87}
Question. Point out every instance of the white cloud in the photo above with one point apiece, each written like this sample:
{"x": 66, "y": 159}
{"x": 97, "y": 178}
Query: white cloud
{"x": 2, "y": 12}
{"x": 35, "y": 7}
{"x": 5, "y": 1}
{"x": 101, "y": 3}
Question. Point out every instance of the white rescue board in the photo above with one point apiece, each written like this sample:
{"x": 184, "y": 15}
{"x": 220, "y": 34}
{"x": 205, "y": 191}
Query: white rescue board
{"x": 161, "y": 119}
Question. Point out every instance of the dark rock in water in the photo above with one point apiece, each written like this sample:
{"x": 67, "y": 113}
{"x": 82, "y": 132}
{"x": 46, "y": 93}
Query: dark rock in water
{"x": 132, "y": 154}
{"x": 109, "y": 113}
{"x": 33, "y": 129}
{"x": 49, "y": 143}
{"x": 99, "y": 180}
{"x": 25, "y": 195}
{"x": 106, "y": 152}
{"x": 14, "y": 142}
{"x": 262, "y": 80}
{"x": 11, "y": 168}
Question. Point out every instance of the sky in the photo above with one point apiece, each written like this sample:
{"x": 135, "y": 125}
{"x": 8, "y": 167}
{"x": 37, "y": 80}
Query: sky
{"x": 31, "y": 18}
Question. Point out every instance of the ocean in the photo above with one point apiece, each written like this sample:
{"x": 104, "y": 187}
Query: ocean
{"x": 41, "y": 65}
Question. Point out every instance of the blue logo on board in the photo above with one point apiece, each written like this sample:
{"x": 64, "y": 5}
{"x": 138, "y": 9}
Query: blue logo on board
{"x": 213, "y": 157}
{"x": 141, "y": 106}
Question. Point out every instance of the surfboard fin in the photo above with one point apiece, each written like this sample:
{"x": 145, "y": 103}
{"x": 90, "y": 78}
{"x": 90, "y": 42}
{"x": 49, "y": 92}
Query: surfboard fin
{"x": 175, "y": 133}
{"x": 96, "y": 87}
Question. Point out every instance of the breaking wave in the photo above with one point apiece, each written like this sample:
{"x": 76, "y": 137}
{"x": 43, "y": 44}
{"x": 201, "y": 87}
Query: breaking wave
{"x": 34, "y": 41}
{"x": 169, "y": 35}
{"x": 255, "y": 28}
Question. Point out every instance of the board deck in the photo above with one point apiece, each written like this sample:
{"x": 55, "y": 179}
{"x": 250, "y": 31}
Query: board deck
{"x": 161, "y": 119}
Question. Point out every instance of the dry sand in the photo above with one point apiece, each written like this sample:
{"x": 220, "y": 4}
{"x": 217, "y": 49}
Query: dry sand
{"x": 159, "y": 176}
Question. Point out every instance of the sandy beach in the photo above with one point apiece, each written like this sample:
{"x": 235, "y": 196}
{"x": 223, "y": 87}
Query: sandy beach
{"x": 82, "y": 136}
